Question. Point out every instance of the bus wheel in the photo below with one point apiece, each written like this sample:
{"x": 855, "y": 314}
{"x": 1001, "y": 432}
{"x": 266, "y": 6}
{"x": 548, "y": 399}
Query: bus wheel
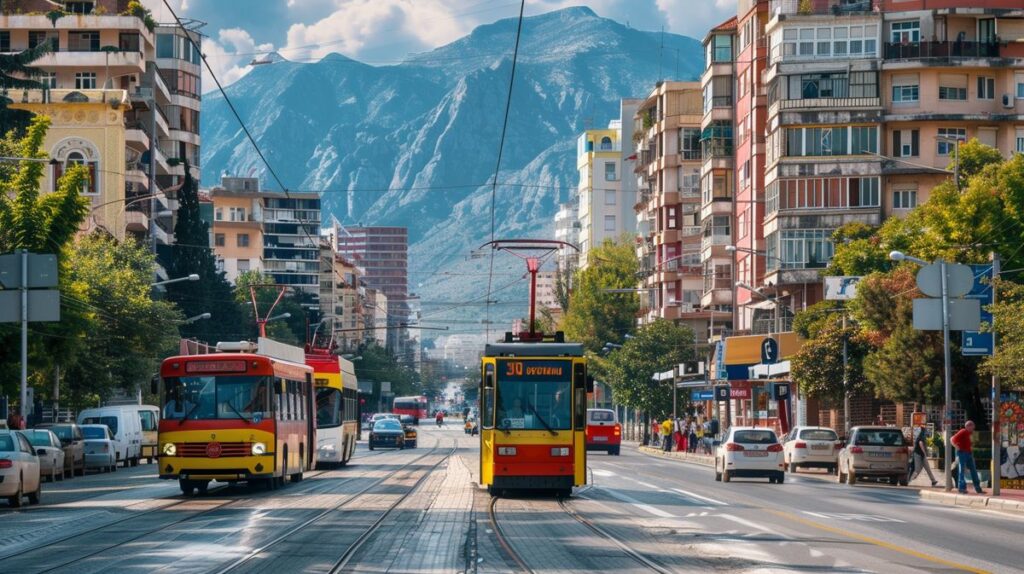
{"x": 297, "y": 477}
{"x": 187, "y": 486}
{"x": 202, "y": 486}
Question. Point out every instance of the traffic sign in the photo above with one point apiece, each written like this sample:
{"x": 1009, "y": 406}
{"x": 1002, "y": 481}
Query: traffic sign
{"x": 43, "y": 306}
{"x": 964, "y": 314}
{"x": 42, "y": 270}
{"x": 959, "y": 280}
{"x": 918, "y": 419}
{"x": 721, "y": 393}
{"x": 703, "y": 395}
{"x": 976, "y": 343}
{"x": 780, "y": 391}
{"x": 769, "y": 351}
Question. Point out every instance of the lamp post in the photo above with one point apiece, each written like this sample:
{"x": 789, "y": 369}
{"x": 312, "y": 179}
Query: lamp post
{"x": 191, "y": 277}
{"x": 263, "y": 322}
{"x": 198, "y": 317}
{"x": 947, "y": 417}
{"x": 735, "y": 249}
{"x": 773, "y": 300}
{"x": 956, "y": 157}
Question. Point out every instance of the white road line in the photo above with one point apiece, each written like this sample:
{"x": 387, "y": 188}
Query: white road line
{"x": 697, "y": 496}
{"x": 605, "y": 473}
{"x": 747, "y": 523}
{"x": 644, "y": 484}
{"x": 816, "y": 553}
{"x": 636, "y": 503}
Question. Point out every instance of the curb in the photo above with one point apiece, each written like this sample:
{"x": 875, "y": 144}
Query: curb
{"x": 956, "y": 499}
{"x": 700, "y": 459}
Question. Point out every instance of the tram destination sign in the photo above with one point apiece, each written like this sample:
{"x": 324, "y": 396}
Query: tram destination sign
{"x": 527, "y": 370}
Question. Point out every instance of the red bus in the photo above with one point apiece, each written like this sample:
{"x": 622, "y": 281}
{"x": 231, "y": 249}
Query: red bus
{"x": 415, "y": 406}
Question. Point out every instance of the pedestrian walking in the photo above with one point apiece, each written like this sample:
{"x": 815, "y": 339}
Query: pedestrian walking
{"x": 965, "y": 458}
{"x": 655, "y": 433}
{"x": 700, "y": 439}
{"x": 692, "y": 436}
{"x": 921, "y": 457}
{"x": 666, "y": 434}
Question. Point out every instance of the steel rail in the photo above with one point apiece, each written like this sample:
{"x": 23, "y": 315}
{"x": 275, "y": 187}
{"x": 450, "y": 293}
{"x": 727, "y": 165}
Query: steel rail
{"x": 499, "y": 535}
{"x": 654, "y": 566}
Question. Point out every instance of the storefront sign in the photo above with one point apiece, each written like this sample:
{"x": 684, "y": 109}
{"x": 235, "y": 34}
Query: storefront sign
{"x": 704, "y": 395}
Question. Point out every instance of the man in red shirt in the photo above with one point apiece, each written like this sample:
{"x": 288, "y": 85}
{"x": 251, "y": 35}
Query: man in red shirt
{"x": 965, "y": 458}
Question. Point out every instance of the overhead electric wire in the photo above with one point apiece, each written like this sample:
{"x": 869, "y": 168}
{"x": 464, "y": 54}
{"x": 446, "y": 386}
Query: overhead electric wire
{"x": 501, "y": 149}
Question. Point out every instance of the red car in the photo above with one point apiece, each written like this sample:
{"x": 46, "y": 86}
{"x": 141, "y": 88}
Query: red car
{"x": 603, "y": 431}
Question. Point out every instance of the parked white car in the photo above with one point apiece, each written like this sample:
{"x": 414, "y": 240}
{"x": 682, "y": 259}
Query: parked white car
{"x": 125, "y": 423}
{"x": 100, "y": 448}
{"x": 49, "y": 450}
{"x": 19, "y": 469}
{"x": 750, "y": 452}
{"x": 811, "y": 447}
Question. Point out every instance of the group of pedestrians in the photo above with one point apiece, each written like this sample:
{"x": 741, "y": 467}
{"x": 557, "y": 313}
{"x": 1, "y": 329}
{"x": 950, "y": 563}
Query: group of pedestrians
{"x": 964, "y": 463}
{"x": 691, "y": 434}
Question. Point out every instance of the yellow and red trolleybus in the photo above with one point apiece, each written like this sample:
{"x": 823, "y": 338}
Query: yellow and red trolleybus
{"x": 415, "y": 407}
{"x": 235, "y": 416}
{"x": 533, "y": 400}
{"x": 337, "y": 406}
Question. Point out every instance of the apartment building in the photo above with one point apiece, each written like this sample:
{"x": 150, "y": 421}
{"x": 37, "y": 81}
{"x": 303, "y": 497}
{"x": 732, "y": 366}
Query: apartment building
{"x": 567, "y": 229}
{"x": 604, "y": 197}
{"x": 237, "y": 226}
{"x": 667, "y": 209}
{"x": 719, "y": 161}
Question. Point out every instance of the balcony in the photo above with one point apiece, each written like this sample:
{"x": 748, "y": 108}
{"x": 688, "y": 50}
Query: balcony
{"x": 948, "y": 51}
{"x": 710, "y": 241}
{"x": 821, "y": 7}
{"x": 118, "y": 63}
{"x": 68, "y": 96}
{"x": 824, "y": 104}
{"x": 136, "y": 221}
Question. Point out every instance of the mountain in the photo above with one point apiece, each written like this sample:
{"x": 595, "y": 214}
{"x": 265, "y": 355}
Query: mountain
{"x": 415, "y": 144}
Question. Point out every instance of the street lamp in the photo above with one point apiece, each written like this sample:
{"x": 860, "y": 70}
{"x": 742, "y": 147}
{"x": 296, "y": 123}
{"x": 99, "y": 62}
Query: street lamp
{"x": 947, "y": 379}
{"x": 198, "y": 317}
{"x": 774, "y": 301}
{"x": 191, "y": 277}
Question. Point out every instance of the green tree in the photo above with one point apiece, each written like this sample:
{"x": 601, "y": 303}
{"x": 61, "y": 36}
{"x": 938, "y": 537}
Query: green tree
{"x": 16, "y": 73}
{"x": 818, "y": 367}
{"x": 1008, "y": 312}
{"x": 291, "y": 330}
{"x": 974, "y": 158}
{"x": 656, "y": 347}
{"x": 128, "y": 332}
{"x": 190, "y": 254}
{"x": 596, "y": 317}
{"x": 379, "y": 365}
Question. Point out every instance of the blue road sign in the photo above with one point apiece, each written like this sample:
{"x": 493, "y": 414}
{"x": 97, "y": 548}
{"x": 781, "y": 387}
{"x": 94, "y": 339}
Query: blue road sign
{"x": 706, "y": 395}
{"x": 976, "y": 343}
{"x": 722, "y": 393}
{"x": 769, "y": 351}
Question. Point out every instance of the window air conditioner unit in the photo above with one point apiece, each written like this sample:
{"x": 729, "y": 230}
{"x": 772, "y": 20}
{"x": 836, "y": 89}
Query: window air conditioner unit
{"x": 1008, "y": 100}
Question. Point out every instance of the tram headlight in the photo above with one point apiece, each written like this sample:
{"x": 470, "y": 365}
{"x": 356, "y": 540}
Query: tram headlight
{"x": 507, "y": 450}
{"x": 560, "y": 451}
{"x": 169, "y": 449}
{"x": 259, "y": 448}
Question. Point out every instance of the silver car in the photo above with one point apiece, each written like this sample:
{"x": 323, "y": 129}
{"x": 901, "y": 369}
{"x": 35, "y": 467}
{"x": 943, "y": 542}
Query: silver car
{"x": 50, "y": 452}
{"x": 100, "y": 448}
{"x": 19, "y": 469}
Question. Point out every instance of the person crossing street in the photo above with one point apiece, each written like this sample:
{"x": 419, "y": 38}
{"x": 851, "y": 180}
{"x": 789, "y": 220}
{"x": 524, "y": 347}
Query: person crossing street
{"x": 965, "y": 458}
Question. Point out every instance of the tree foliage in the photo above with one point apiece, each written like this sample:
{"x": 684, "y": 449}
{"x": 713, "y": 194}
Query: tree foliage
{"x": 16, "y": 73}
{"x": 818, "y": 366}
{"x": 1008, "y": 312}
{"x": 378, "y": 365}
{"x": 656, "y": 347}
{"x": 596, "y": 317}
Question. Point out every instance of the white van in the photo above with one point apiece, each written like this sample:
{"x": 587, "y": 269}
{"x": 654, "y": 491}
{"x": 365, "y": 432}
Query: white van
{"x": 125, "y": 423}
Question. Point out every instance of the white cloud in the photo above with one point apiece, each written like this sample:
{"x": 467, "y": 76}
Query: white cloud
{"x": 229, "y": 55}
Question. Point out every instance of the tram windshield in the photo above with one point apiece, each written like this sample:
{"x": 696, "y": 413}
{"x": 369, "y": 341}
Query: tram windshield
{"x": 534, "y": 405}
{"x": 328, "y": 407}
{"x": 217, "y": 397}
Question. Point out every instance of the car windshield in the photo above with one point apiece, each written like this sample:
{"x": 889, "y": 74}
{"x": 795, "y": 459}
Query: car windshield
{"x": 63, "y": 432}
{"x": 94, "y": 432}
{"x": 755, "y": 437}
{"x": 601, "y": 416}
{"x": 6, "y": 443}
{"x": 406, "y": 419}
{"x": 819, "y": 434}
{"x": 216, "y": 397}
{"x": 111, "y": 422}
{"x": 883, "y": 437}
{"x": 534, "y": 395}
{"x": 328, "y": 408}
{"x": 38, "y": 438}
{"x": 387, "y": 424}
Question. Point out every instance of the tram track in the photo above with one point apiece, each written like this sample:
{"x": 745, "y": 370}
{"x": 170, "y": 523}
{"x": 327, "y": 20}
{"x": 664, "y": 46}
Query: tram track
{"x": 353, "y": 497}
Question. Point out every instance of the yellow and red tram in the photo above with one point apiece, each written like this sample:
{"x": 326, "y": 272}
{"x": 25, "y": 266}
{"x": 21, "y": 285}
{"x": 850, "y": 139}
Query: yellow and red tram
{"x": 337, "y": 407}
{"x": 235, "y": 416}
{"x": 533, "y": 399}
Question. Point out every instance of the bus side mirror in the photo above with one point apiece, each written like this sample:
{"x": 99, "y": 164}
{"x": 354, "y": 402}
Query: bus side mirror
{"x": 590, "y": 384}
{"x": 154, "y": 384}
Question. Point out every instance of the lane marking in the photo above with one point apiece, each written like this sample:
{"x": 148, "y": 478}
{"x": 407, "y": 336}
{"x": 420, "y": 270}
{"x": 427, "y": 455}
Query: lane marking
{"x": 698, "y": 496}
{"x": 853, "y": 517}
{"x": 877, "y": 542}
{"x": 636, "y": 503}
{"x": 747, "y": 523}
{"x": 644, "y": 484}
{"x": 604, "y": 473}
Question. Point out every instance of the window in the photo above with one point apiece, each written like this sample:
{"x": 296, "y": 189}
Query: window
{"x": 606, "y": 143}
{"x": 129, "y": 42}
{"x": 609, "y": 197}
{"x": 945, "y": 147}
{"x": 722, "y": 46}
{"x": 243, "y": 265}
{"x": 864, "y": 192}
{"x": 986, "y": 88}
{"x": 904, "y": 199}
{"x": 165, "y": 45}
{"x": 609, "y": 171}
{"x": 1020, "y": 86}
{"x": 905, "y": 94}
{"x": 47, "y": 79}
{"x": 1020, "y": 141}
{"x": 949, "y": 93}
{"x": 237, "y": 213}
{"x": 243, "y": 240}
{"x": 218, "y": 240}
{"x": 689, "y": 183}
{"x": 905, "y": 143}
{"x": 5, "y": 41}
{"x": 609, "y": 223}
{"x": 91, "y": 187}
{"x": 218, "y": 214}
{"x": 863, "y": 84}
{"x": 906, "y": 32}
{"x": 800, "y": 248}
{"x": 864, "y": 140}
{"x": 689, "y": 143}
{"x": 84, "y": 41}
{"x": 85, "y": 80}
{"x": 79, "y": 8}
{"x": 38, "y": 37}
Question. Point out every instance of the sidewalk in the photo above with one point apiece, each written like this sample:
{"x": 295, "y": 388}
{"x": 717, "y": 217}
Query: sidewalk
{"x": 704, "y": 459}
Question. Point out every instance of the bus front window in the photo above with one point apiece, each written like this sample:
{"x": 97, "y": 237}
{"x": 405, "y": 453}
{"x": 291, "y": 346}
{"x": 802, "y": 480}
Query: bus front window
{"x": 534, "y": 405}
{"x": 328, "y": 407}
{"x": 217, "y": 397}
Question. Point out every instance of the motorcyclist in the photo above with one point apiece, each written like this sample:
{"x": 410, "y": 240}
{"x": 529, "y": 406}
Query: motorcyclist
{"x": 439, "y": 418}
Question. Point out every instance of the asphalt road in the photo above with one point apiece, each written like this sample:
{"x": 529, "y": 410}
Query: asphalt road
{"x": 421, "y": 511}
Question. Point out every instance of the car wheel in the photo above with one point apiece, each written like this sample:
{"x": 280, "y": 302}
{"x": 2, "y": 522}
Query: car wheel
{"x": 16, "y": 499}
{"x": 81, "y": 469}
{"x": 617, "y": 449}
{"x": 780, "y": 478}
{"x": 718, "y": 475}
{"x": 35, "y": 497}
{"x": 904, "y": 480}
{"x": 894, "y": 480}
{"x": 725, "y": 475}
{"x": 851, "y": 478}
{"x": 792, "y": 467}
{"x": 840, "y": 477}
{"x": 370, "y": 446}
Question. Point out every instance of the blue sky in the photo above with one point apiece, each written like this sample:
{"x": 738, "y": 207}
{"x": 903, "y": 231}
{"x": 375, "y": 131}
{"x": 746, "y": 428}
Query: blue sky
{"x": 385, "y": 31}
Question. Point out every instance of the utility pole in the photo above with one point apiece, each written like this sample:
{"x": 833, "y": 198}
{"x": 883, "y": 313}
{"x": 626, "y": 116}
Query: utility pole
{"x": 997, "y": 441}
{"x": 152, "y": 175}
{"x": 947, "y": 419}
{"x": 846, "y": 382}
{"x": 23, "y": 403}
